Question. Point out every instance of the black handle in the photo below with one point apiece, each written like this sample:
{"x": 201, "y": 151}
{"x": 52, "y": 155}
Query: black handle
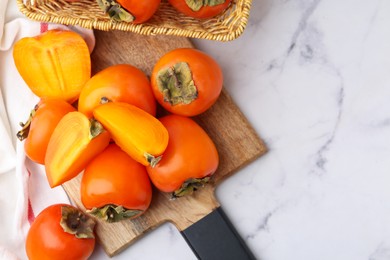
{"x": 214, "y": 237}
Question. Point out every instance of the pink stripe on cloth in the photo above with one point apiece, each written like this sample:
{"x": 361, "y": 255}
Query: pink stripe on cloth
{"x": 30, "y": 213}
{"x": 44, "y": 27}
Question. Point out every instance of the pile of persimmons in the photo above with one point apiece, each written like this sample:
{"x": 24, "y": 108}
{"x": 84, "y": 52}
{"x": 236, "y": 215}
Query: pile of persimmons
{"x": 106, "y": 126}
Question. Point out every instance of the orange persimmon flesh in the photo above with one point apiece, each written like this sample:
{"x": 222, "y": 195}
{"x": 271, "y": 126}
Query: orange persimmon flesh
{"x": 74, "y": 143}
{"x": 135, "y": 131}
{"x": 54, "y": 64}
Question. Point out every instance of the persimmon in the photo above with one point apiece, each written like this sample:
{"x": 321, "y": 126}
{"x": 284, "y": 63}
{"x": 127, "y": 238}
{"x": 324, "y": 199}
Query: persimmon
{"x": 114, "y": 186}
{"x": 122, "y": 82}
{"x": 54, "y": 64}
{"x": 41, "y": 124}
{"x": 139, "y": 134}
{"x": 199, "y": 8}
{"x": 190, "y": 159}
{"x": 186, "y": 81}
{"x": 76, "y": 140}
{"x": 61, "y": 232}
{"x": 130, "y": 10}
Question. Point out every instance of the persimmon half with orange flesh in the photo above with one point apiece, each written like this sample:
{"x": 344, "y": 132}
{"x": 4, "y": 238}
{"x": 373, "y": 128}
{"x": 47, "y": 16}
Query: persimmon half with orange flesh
{"x": 54, "y": 64}
{"x": 76, "y": 140}
{"x": 139, "y": 134}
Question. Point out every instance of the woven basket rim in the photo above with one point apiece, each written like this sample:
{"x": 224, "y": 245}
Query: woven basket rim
{"x": 145, "y": 29}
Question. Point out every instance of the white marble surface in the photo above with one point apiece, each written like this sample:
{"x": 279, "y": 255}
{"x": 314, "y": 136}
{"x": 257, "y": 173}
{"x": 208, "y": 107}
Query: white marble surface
{"x": 313, "y": 78}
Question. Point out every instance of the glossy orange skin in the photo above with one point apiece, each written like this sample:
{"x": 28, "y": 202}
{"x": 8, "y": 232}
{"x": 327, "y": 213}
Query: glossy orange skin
{"x": 190, "y": 154}
{"x": 46, "y": 239}
{"x": 141, "y": 10}
{"x": 124, "y": 83}
{"x": 113, "y": 177}
{"x": 203, "y": 13}
{"x": 49, "y": 113}
{"x": 207, "y": 76}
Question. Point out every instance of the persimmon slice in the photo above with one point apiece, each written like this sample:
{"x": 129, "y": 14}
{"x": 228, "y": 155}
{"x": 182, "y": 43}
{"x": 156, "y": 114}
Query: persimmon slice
{"x": 76, "y": 140}
{"x": 135, "y": 131}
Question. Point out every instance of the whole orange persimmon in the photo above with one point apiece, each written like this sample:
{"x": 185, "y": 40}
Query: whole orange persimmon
{"x": 115, "y": 187}
{"x": 122, "y": 83}
{"x": 186, "y": 81}
{"x": 190, "y": 159}
{"x": 61, "y": 232}
{"x": 40, "y": 126}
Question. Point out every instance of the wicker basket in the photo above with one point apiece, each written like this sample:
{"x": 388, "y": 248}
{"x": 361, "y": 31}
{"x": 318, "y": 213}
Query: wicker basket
{"x": 86, "y": 13}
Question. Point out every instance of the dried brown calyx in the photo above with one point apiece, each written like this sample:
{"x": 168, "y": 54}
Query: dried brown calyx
{"x": 75, "y": 222}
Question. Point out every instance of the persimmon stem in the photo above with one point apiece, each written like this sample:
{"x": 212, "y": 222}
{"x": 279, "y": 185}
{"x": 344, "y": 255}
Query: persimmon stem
{"x": 152, "y": 160}
{"x": 104, "y": 100}
{"x": 96, "y": 128}
{"x": 23, "y": 133}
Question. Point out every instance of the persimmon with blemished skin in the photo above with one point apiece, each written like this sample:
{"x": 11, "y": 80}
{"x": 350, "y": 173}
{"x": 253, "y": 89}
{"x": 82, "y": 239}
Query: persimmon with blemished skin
{"x": 76, "y": 140}
{"x": 118, "y": 83}
{"x": 186, "y": 81}
{"x": 61, "y": 232}
{"x": 114, "y": 186}
{"x": 41, "y": 124}
{"x": 199, "y": 9}
{"x": 133, "y": 11}
{"x": 54, "y": 64}
{"x": 190, "y": 159}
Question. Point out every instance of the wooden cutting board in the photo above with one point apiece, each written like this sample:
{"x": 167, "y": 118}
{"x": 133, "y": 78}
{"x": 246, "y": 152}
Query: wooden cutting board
{"x": 236, "y": 141}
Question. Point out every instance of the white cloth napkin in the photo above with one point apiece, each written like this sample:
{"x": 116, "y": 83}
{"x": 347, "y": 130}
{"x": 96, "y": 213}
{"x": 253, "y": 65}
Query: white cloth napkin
{"x": 24, "y": 190}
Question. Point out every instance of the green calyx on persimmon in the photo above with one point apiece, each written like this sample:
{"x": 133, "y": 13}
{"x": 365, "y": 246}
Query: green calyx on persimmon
{"x": 177, "y": 85}
{"x": 115, "y": 11}
{"x": 195, "y": 5}
{"x": 113, "y": 213}
{"x": 189, "y": 186}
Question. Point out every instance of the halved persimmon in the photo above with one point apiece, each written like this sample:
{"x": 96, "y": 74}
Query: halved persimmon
{"x": 54, "y": 64}
{"x": 139, "y": 134}
{"x": 76, "y": 140}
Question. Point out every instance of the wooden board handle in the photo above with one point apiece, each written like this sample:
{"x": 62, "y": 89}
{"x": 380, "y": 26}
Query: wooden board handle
{"x": 214, "y": 237}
